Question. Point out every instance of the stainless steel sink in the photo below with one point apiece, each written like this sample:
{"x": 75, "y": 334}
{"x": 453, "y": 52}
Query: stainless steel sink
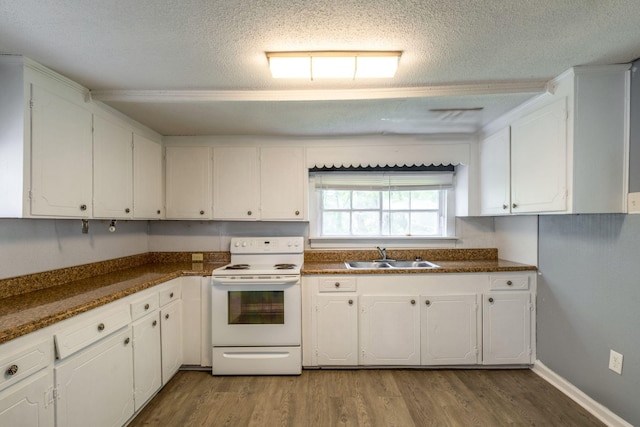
{"x": 376, "y": 265}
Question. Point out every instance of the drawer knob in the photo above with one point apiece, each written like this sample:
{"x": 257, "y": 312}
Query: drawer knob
{"x": 509, "y": 283}
{"x": 337, "y": 285}
{"x": 427, "y": 302}
{"x": 101, "y": 327}
{"x": 171, "y": 295}
{"x": 127, "y": 340}
{"x": 146, "y": 306}
{"x": 166, "y": 316}
{"x": 490, "y": 299}
{"x": 350, "y": 302}
{"x": 155, "y": 322}
{"x": 13, "y": 369}
{"x": 413, "y": 302}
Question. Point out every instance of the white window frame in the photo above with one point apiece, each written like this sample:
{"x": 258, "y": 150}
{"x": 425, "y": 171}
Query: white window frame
{"x": 350, "y": 241}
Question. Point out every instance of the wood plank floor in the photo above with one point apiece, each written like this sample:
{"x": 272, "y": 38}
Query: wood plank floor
{"x": 398, "y": 397}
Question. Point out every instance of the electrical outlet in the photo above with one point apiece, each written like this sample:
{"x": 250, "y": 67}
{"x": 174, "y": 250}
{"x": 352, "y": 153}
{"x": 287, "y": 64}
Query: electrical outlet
{"x": 633, "y": 203}
{"x": 615, "y": 362}
{"x": 197, "y": 257}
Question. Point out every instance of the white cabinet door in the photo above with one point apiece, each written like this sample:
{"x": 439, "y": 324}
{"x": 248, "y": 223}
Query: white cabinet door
{"x": 192, "y": 320}
{"x": 495, "y": 174}
{"x": 282, "y": 183}
{"x": 28, "y": 403}
{"x": 95, "y": 386}
{"x": 449, "y": 330}
{"x": 147, "y": 366}
{"x": 60, "y": 156}
{"x": 236, "y": 183}
{"x": 336, "y": 324}
{"x": 506, "y": 328}
{"x": 539, "y": 160}
{"x": 389, "y": 330}
{"x": 147, "y": 178}
{"x": 171, "y": 339}
{"x": 188, "y": 182}
{"x": 112, "y": 170}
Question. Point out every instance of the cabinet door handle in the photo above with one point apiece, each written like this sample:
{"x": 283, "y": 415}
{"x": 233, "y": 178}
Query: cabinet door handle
{"x": 413, "y": 302}
{"x": 127, "y": 210}
{"x": 166, "y": 316}
{"x": 13, "y": 369}
{"x": 350, "y": 302}
{"x": 127, "y": 340}
{"x": 155, "y": 322}
{"x": 515, "y": 205}
{"x": 249, "y": 213}
{"x": 101, "y": 327}
{"x": 427, "y": 302}
{"x": 201, "y": 212}
{"x": 490, "y": 299}
{"x": 83, "y": 207}
{"x": 158, "y": 211}
{"x": 505, "y": 207}
{"x": 171, "y": 295}
{"x": 146, "y": 306}
{"x": 509, "y": 283}
{"x": 297, "y": 213}
{"x": 337, "y": 285}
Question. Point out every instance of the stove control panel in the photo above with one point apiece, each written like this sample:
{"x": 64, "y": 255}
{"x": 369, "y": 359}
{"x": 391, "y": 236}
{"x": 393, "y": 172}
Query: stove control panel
{"x": 261, "y": 245}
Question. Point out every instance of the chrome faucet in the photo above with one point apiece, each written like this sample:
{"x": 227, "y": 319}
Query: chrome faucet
{"x": 383, "y": 254}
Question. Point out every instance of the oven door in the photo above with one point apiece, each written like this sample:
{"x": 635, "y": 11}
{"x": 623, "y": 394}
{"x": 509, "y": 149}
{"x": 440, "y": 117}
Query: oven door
{"x": 252, "y": 312}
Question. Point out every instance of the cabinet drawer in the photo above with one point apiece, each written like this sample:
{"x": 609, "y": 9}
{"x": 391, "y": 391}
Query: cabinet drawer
{"x": 91, "y": 329}
{"x": 338, "y": 284}
{"x": 25, "y": 362}
{"x": 170, "y": 293}
{"x": 144, "y": 306}
{"x": 509, "y": 282}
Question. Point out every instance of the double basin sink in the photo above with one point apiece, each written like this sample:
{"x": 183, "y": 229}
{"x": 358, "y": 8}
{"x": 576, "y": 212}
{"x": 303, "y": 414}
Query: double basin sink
{"x": 388, "y": 264}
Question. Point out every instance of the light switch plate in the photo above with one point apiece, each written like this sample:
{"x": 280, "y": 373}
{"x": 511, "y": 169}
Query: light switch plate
{"x": 633, "y": 203}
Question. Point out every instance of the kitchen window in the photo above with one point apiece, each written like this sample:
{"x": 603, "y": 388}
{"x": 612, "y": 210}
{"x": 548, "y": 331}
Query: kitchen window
{"x": 382, "y": 203}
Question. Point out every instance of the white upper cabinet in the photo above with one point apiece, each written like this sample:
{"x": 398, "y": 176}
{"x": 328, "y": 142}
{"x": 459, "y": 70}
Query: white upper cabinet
{"x": 147, "y": 178}
{"x": 283, "y": 183}
{"x": 60, "y": 155}
{"x": 112, "y": 170}
{"x": 259, "y": 183}
{"x": 568, "y": 149}
{"x": 495, "y": 174}
{"x": 188, "y": 182}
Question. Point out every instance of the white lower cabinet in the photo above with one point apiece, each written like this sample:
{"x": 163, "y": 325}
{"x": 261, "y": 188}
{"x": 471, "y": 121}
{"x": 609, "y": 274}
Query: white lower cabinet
{"x": 449, "y": 334}
{"x": 389, "y": 330}
{"x": 95, "y": 385}
{"x": 171, "y": 339}
{"x": 147, "y": 363}
{"x": 506, "y": 328}
{"x": 29, "y": 402}
{"x": 336, "y": 329}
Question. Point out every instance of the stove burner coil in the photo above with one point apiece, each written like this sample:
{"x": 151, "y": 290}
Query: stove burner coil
{"x": 237, "y": 267}
{"x": 284, "y": 266}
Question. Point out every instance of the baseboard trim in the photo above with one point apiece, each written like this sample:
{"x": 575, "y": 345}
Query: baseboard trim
{"x": 596, "y": 409}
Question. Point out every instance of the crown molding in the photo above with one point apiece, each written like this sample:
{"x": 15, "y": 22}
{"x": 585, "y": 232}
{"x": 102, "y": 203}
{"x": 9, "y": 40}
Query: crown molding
{"x": 470, "y": 89}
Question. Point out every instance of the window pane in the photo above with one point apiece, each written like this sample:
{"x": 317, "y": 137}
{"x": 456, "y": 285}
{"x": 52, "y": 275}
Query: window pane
{"x": 385, "y": 224}
{"x": 366, "y": 223}
{"x": 425, "y": 199}
{"x": 336, "y": 199}
{"x": 400, "y": 199}
{"x": 366, "y": 200}
{"x": 424, "y": 223}
{"x": 399, "y": 223}
{"x": 336, "y": 223}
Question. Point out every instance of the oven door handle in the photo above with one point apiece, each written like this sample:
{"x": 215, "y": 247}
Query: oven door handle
{"x": 226, "y": 281}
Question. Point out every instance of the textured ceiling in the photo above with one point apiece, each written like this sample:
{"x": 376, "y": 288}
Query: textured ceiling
{"x": 221, "y": 45}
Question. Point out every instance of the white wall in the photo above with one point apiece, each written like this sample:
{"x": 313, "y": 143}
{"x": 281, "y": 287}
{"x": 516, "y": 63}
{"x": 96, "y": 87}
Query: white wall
{"x": 36, "y": 245}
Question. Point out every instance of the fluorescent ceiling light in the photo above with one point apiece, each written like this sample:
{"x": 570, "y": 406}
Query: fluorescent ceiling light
{"x": 326, "y": 65}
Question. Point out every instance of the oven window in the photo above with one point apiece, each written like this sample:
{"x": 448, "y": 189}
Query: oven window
{"x": 256, "y": 307}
